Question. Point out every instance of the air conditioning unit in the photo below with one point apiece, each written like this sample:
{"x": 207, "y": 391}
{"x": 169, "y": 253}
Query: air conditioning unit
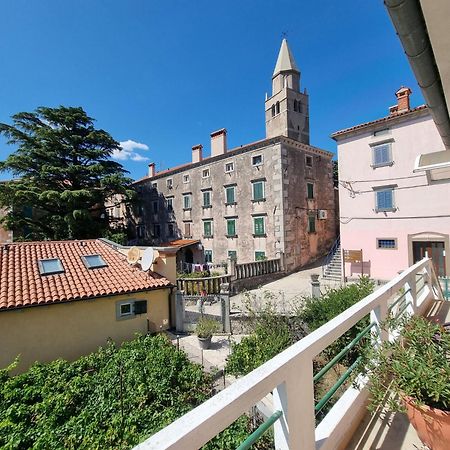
{"x": 322, "y": 214}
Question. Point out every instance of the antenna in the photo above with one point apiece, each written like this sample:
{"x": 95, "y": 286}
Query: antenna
{"x": 147, "y": 259}
{"x": 133, "y": 255}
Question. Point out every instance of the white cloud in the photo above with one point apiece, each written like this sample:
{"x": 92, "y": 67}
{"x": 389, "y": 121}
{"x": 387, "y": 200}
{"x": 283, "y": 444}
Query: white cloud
{"x": 128, "y": 151}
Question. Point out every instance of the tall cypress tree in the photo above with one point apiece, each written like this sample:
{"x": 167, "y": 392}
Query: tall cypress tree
{"x": 62, "y": 172}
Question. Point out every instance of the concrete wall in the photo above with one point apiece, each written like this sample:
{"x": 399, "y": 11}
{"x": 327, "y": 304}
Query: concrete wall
{"x": 69, "y": 330}
{"x": 419, "y": 204}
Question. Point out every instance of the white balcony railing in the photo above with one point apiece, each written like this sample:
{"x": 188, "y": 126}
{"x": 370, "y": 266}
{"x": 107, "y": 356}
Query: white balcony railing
{"x": 289, "y": 376}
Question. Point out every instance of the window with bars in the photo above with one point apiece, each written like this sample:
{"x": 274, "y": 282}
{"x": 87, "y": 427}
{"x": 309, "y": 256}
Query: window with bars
{"x": 230, "y": 195}
{"x": 258, "y": 190}
{"x": 258, "y": 226}
{"x": 231, "y": 227}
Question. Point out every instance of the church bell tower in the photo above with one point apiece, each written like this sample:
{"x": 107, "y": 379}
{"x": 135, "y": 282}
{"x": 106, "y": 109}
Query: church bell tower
{"x": 287, "y": 110}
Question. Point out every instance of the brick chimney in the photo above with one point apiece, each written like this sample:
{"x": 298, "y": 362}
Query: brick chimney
{"x": 402, "y": 100}
{"x": 151, "y": 170}
{"x": 197, "y": 153}
{"x": 219, "y": 142}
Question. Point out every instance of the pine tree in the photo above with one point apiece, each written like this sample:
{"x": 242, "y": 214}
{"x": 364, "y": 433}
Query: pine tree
{"x": 62, "y": 172}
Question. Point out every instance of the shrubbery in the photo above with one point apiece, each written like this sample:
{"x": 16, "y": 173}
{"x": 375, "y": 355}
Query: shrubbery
{"x": 113, "y": 398}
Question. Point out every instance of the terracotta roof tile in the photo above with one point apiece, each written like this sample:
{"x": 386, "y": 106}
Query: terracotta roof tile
{"x": 21, "y": 283}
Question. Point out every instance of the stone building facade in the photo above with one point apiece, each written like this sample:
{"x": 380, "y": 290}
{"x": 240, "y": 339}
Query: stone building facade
{"x": 261, "y": 200}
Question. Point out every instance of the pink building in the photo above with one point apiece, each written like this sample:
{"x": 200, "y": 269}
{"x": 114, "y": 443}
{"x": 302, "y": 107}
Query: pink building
{"x": 390, "y": 208}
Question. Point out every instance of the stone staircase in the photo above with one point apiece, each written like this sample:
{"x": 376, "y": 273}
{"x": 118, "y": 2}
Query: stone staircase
{"x": 333, "y": 266}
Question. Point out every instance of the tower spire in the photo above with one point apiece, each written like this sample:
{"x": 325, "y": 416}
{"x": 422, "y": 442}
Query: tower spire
{"x": 285, "y": 60}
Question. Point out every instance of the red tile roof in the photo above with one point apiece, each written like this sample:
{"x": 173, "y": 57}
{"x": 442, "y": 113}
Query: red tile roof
{"x": 22, "y": 285}
{"x": 373, "y": 122}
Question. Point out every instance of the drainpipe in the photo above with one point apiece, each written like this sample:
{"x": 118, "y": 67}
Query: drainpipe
{"x": 409, "y": 22}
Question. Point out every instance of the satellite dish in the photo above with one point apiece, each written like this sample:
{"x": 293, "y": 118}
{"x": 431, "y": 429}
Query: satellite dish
{"x": 147, "y": 258}
{"x": 133, "y": 255}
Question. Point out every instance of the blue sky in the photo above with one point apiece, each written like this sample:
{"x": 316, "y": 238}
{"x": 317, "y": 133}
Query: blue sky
{"x": 166, "y": 73}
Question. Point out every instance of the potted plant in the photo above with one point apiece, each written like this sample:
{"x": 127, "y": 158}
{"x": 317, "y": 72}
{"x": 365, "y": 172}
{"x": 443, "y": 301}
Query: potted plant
{"x": 205, "y": 329}
{"x": 415, "y": 369}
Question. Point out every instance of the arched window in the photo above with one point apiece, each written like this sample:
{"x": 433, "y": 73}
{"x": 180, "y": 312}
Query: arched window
{"x": 278, "y": 108}
{"x": 273, "y": 110}
{"x": 295, "y": 105}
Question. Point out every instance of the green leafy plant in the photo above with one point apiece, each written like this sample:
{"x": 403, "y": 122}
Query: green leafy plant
{"x": 415, "y": 365}
{"x": 206, "y": 327}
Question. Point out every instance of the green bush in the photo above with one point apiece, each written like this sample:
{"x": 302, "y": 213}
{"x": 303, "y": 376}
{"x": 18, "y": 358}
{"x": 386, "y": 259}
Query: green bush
{"x": 113, "y": 398}
{"x": 315, "y": 312}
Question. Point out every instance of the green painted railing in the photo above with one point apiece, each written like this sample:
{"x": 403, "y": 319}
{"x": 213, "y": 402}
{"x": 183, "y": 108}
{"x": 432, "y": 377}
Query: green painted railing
{"x": 258, "y": 433}
{"x": 344, "y": 377}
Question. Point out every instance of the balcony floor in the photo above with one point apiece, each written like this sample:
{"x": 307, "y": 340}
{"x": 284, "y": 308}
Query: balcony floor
{"x": 392, "y": 431}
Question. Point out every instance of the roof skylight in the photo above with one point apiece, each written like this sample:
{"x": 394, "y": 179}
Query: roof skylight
{"x": 51, "y": 266}
{"x": 94, "y": 261}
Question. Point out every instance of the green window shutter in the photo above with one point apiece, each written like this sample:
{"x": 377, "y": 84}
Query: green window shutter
{"x": 258, "y": 190}
{"x": 259, "y": 225}
{"x": 260, "y": 256}
{"x": 207, "y": 198}
{"x": 312, "y": 224}
{"x": 310, "y": 188}
{"x": 231, "y": 227}
{"x": 207, "y": 228}
{"x": 230, "y": 195}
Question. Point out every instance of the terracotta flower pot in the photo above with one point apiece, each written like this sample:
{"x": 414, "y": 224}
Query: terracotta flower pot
{"x": 432, "y": 425}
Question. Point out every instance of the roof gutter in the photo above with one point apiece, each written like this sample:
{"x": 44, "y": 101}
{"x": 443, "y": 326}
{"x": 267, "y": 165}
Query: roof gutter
{"x": 409, "y": 22}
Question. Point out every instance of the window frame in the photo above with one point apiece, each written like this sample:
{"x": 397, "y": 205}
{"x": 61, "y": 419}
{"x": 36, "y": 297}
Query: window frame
{"x": 254, "y": 183}
{"x": 44, "y": 272}
{"x": 308, "y": 197}
{"x": 187, "y": 224}
{"x": 312, "y": 223}
{"x": 231, "y": 257}
{"x": 257, "y": 156}
{"x": 377, "y": 146}
{"x": 88, "y": 265}
{"x": 169, "y": 203}
{"x": 211, "y": 232}
{"x": 231, "y": 220}
{"x": 207, "y": 194}
{"x": 169, "y": 183}
{"x": 210, "y": 255}
{"x": 262, "y": 255}
{"x": 231, "y": 163}
{"x": 189, "y": 207}
{"x": 255, "y": 230}
{"x": 379, "y": 247}
{"x": 309, "y": 158}
{"x": 380, "y": 190}
{"x": 226, "y": 195}
{"x": 186, "y": 178}
{"x": 171, "y": 226}
{"x": 206, "y": 171}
